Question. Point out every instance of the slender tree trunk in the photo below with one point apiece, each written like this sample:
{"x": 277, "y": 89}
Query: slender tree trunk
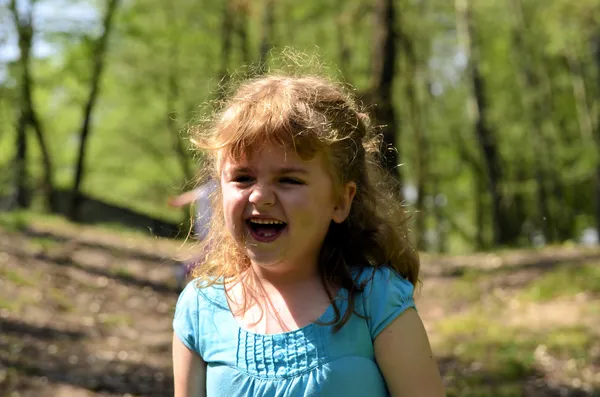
{"x": 485, "y": 135}
{"x": 414, "y": 87}
{"x": 584, "y": 117}
{"x": 226, "y": 36}
{"x": 563, "y": 213}
{"x": 481, "y": 188}
{"x": 28, "y": 117}
{"x": 382, "y": 80}
{"x": 597, "y": 132}
{"x": 173, "y": 94}
{"x": 480, "y": 179}
{"x": 440, "y": 220}
{"x": 98, "y": 67}
{"x": 22, "y": 193}
{"x": 268, "y": 30}
{"x": 531, "y": 97}
{"x": 344, "y": 53}
{"x": 241, "y": 29}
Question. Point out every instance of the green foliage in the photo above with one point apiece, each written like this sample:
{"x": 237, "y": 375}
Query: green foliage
{"x": 568, "y": 280}
{"x": 165, "y": 61}
{"x": 502, "y": 357}
{"x": 15, "y": 221}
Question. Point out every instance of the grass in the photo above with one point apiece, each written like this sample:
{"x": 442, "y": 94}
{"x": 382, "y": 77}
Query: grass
{"x": 43, "y": 243}
{"x": 505, "y": 352}
{"x": 465, "y": 388}
{"x": 14, "y": 221}
{"x": 16, "y": 305}
{"x": 466, "y": 287}
{"x": 15, "y": 277}
{"x": 10, "y": 305}
{"x": 566, "y": 280}
{"x": 19, "y": 220}
{"x": 495, "y": 358}
{"x": 116, "y": 320}
{"x": 121, "y": 272}
{"x": 62, "y": 302}
{"x": 570, "y": 342}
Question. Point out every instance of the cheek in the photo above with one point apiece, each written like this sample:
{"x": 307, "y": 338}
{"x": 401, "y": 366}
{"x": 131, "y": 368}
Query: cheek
{"x": 233, "y": 205}
{"x": 313, "y": 209}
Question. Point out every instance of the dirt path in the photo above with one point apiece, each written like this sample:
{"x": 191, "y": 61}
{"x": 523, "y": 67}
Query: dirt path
{"x": 84, "y": 312}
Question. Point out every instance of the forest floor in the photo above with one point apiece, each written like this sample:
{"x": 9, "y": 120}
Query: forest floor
{"x": 86, "y": 311}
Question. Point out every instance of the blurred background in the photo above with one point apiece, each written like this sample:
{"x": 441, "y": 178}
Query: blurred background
{"x": 493, "y": 106}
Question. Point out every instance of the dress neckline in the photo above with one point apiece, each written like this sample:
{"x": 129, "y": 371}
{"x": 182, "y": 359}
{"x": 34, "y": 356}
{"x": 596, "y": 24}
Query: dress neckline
{"x": 323, "y": 318}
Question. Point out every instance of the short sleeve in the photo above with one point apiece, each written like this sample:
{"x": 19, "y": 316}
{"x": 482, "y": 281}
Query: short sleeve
{"x": 386, "y": 296}
{"x": 186, "y": 321}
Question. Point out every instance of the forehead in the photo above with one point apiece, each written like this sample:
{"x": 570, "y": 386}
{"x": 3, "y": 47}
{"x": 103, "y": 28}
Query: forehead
{"x": 271, "y": 156}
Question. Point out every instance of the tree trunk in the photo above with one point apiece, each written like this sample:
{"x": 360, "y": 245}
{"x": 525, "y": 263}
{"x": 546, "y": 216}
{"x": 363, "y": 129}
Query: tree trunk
{"x": 414, "y": 87}
{"x": 266, "y": 40}
{"x": 342, "y": 44}
{"x": 22, "y": 193}
{"x": 98, "y": 65}
{"x": 227, "y": 28}
{"x": 440, "y": 220}
{"x": 480, "y": 183}
{"x": 173, "y": 94}
{"x": 480, "y": 179}
{"x": 28, "y": 117}
{"x": 532, "y": 102}
{"x": 597, "y": 135}
{"x": 485, "y": 136}
{"x": 241, "y": 29}
{"x": 382, "y": 80}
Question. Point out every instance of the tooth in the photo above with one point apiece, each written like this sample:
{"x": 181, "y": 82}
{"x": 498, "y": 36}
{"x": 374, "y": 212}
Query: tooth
{"x": 266, "y": 222}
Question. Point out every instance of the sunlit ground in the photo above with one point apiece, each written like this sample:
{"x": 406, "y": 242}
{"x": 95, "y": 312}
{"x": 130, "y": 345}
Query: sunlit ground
{"x": 87, "y": 312}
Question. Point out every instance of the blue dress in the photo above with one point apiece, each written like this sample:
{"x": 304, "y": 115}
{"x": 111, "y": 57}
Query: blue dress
{"x": 310, "y": 361}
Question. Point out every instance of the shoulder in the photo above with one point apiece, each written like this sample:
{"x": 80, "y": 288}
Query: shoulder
{"x": 385, "y": 295}
{"x": 372, "y": 279}
{"x": 200, "y": 293}
{"x": 197, "y": 302}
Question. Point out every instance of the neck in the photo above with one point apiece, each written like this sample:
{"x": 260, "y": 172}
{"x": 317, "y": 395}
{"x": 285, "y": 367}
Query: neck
{"x": 285, "y": 276}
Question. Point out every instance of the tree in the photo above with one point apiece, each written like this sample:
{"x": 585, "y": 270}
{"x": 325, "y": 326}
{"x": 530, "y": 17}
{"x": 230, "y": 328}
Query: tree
{"x": 383, "y": 71}
{"x": 98, "y": 67}
{"x": 267, "y": 34}
{"x": 503, "y": 235}
{"x": 596, "y": 50}
{"x": 416, "y": 85}
{"x": 173, "y": 91}
{"x": 536, "y": 116}
{"x": 28, "y": 115}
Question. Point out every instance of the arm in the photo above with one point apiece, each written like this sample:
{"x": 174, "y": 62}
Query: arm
{"x": 405, "y": 359}
{"x": 189, "y": 371}
{"x": 183, "y": 198}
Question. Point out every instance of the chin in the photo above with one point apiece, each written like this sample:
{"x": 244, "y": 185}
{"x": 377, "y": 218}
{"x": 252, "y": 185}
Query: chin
{"x": 265, "y": 261}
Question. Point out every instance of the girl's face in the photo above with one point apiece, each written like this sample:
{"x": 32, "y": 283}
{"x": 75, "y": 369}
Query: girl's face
{"x": 279, "y": 207}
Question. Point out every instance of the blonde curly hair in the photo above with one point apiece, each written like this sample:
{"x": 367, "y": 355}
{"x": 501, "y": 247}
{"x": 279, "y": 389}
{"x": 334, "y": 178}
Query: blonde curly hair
{"x": 312, "y": 115}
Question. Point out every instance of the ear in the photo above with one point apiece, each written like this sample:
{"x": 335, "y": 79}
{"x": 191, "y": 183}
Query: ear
{"x": 342, "y": 209}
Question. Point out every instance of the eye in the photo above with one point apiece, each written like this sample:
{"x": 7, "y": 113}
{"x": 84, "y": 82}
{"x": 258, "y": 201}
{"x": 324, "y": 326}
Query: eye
{"x": 242, "y": 179}
{"x": 291, "y": 181}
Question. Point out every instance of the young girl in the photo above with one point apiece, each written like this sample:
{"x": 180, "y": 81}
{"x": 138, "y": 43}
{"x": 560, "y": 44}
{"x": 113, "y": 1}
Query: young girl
{"x": 307, "y": 289}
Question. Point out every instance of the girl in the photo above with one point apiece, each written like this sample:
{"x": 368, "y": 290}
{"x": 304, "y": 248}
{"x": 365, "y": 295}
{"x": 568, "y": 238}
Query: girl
{"x": 307, "y": 289}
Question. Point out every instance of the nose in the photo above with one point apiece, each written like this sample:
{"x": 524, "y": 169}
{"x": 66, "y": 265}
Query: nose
{"x": 262, "y": 195}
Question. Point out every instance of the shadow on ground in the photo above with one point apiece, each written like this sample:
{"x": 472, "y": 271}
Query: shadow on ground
{"x": 464, "y": 380}
{"x": 31, "y": 357}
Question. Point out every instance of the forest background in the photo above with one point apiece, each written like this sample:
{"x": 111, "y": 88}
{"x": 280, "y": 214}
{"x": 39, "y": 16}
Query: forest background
{"x": 494, "y": 105}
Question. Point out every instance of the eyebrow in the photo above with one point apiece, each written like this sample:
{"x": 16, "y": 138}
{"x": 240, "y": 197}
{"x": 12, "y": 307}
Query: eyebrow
{"x": 292, "y": 170}
{"x": 284, "y": 170}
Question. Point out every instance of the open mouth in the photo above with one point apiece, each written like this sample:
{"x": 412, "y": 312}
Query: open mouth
{"x": 265, "y": 230}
